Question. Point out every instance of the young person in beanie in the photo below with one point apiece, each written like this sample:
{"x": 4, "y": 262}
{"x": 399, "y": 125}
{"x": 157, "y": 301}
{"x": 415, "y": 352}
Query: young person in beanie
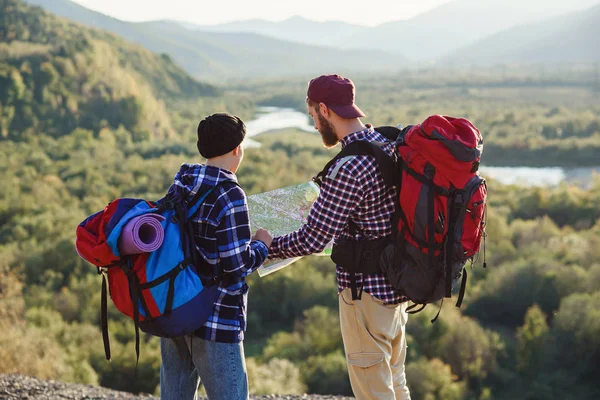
{"x": 354, "y": 203}
{"x": 215, "y": 354}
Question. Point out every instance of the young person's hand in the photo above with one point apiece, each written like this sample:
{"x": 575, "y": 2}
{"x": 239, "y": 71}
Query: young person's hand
{"x": 264, "y": 236}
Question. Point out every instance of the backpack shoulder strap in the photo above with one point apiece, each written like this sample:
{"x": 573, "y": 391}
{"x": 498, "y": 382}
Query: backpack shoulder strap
{"x": 388, "y": 165}
{"x": 385, "y": 163}
{"x": 333, "y": 173}
{"x": 346, "y": 152}
{"x": 196, "y": 201}
{"x": 186, "y": 212}
{"x": 393, "y": 133}
{"x": 389, "y": 132}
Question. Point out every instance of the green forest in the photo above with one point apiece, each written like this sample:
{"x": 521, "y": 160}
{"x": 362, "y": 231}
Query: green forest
{"x": 86, "y": 117}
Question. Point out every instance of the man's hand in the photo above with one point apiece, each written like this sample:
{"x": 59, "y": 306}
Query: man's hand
{"x": 264, "y": 236}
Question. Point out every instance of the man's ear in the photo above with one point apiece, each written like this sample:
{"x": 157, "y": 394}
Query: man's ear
{"x": 236, "y": 151}
{"x": 324, "y": 109}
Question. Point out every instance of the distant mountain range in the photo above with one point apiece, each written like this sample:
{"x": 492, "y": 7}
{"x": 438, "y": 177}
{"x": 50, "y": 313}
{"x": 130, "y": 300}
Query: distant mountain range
{"x": 455, "y": 33}
{"x": 294, "y": 29}
{"x": 573, "y": 37}
{"x": 218, "y": 55}
{"x": 427, "y": 36}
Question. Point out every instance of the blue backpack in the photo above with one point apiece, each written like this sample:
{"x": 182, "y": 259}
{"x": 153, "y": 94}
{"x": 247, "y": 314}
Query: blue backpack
{"x": 168, "y": 293}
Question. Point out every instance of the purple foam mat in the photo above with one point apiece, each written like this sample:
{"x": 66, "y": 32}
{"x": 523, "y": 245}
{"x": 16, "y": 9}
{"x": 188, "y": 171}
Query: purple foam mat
{"x": 143, "y": 234}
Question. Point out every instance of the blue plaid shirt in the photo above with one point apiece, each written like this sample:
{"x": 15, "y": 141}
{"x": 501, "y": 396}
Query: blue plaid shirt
{"x": 223, "y": 237}
{"x": 357, "y": 194}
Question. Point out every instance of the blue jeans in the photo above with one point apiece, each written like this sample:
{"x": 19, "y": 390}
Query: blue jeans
{"x": 220, "y": 366}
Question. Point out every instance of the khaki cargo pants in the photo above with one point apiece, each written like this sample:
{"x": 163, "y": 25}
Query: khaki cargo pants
{"x": 375, "y": 345}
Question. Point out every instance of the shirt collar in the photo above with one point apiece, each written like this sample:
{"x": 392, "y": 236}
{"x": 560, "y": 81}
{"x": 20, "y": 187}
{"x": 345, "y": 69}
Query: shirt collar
{"x": 219, "y": 173}
{"x": 364, "y": 134}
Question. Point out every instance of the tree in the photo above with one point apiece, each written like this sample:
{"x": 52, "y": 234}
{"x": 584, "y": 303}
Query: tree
{"x": 327, "y": 374}
{"x": 12, "y": 86}
{"x": 531, "y": 338}
{"x": 470, "y": 350}
{"x": 317, "y": 333}
{"x": 577, "y": 332}
{"x": 433, "y": 380}
{"x": 278, "y": 376}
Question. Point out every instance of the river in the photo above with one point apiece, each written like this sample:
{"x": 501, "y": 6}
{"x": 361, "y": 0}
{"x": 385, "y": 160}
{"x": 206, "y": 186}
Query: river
{"x": 275, "y": 118}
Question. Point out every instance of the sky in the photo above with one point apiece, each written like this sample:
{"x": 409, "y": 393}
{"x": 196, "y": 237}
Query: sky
{"x": 211, "y": 12}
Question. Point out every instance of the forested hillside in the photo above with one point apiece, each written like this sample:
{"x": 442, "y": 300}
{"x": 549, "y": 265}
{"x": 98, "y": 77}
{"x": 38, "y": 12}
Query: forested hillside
{"x": 56, "y": 76}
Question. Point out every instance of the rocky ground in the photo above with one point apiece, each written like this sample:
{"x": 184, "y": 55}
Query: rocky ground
{"x": 25, "y": 387}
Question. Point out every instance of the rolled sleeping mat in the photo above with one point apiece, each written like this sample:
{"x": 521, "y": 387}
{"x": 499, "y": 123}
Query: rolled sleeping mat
{"x": 143, "y": 234}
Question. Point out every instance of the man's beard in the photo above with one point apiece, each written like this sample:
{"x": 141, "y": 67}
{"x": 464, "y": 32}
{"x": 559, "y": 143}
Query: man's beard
{"x": 327, "y": 132}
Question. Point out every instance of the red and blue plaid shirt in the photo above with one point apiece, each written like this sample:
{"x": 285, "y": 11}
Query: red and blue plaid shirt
{"x": 223, "y": 237}
{"x": 357, "y": 193}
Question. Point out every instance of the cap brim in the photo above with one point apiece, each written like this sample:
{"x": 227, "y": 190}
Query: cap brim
{"x": 347, "y": 111}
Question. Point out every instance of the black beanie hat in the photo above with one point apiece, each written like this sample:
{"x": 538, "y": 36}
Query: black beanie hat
{"x": 219, "y": 134}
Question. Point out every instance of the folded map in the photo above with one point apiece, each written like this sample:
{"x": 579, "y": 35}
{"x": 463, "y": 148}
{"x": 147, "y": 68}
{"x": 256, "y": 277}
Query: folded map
{"x": 282, "y": 211}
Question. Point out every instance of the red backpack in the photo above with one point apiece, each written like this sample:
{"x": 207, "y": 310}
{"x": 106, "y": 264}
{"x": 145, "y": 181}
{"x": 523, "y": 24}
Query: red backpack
{"x": 439, "y": 220}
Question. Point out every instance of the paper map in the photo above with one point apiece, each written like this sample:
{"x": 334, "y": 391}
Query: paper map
{"x": 282, "y": 211}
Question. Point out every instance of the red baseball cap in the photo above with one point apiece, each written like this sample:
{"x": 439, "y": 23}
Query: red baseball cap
{"x": 337, "y": 93}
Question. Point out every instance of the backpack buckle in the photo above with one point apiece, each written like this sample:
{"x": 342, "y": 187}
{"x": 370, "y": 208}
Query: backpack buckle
{"x": 127, "y": 267}
{"x": 458, "y": 200}
{"x": 168, "y": 204}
